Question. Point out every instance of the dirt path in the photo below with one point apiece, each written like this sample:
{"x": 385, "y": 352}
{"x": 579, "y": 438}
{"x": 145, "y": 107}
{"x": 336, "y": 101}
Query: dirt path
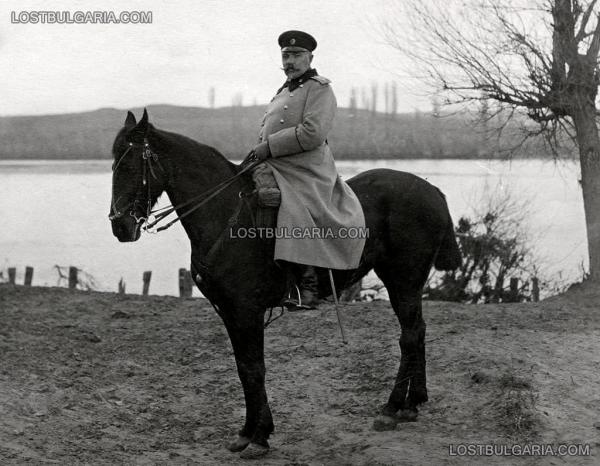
{"x": 101, "y": 378}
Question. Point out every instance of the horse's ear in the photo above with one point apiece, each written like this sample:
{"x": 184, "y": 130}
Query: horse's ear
{"x": 142, "y": 126}
{"x": 130, "y": 120}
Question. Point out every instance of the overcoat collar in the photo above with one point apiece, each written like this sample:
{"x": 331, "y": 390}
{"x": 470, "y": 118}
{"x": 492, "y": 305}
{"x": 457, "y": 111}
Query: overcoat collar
{"x": 293, "y": 84}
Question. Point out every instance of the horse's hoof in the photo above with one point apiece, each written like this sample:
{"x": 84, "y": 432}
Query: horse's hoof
{"x": 238, "y": 444}
{"x": 383, "y": 422}
{"x": 407, "y": 415}
{"x": 254, "y": 451}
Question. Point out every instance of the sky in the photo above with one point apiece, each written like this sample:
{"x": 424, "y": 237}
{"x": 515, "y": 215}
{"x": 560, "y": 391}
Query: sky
{"x": 190, "y": 47}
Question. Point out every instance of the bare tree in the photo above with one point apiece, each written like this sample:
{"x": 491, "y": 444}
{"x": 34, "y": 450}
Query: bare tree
{"x": 374, "y": 97}
{"x": 394, "y": 98}
{"x": 353, "y": 101}
{"x": 436, "y": 107}
{"x": 237, "y": 100}
{"x": 364, "y": 99}
{"x": 437, "y": 147}
{"x": 532, "y": 57}
{"x": 211, "y": 97}
{"x": 386, "y": 97}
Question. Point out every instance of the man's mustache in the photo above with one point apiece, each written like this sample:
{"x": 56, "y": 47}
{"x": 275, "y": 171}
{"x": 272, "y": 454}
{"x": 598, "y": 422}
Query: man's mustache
{"x": 288, "y": 68}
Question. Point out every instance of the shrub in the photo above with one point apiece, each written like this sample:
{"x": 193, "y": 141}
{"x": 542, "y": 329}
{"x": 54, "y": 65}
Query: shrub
{"x": 494, "y": 248}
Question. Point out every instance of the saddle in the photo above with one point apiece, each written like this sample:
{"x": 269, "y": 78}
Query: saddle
{"x": 269, "y": 195}
{"x": 268, "y": 191}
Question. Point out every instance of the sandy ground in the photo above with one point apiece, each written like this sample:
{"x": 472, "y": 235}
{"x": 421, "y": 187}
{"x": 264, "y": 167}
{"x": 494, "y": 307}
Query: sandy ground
{"x": 101, "y": 378}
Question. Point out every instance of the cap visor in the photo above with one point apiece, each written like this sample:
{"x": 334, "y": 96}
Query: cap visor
{"x": 294, "y": 49}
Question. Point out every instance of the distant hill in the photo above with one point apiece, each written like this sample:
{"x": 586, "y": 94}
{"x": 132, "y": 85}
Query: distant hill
{"x": 357, "y": 134}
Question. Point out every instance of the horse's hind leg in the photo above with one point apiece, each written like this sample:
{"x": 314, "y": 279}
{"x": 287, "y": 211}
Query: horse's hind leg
{"x": 410, "y": 387}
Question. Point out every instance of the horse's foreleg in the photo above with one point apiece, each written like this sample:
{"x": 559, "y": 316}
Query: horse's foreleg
{"x": 247, "y": 339}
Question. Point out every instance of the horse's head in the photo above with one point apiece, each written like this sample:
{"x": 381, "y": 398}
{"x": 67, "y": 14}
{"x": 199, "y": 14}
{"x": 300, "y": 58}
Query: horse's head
{"x": 138, "y": 178}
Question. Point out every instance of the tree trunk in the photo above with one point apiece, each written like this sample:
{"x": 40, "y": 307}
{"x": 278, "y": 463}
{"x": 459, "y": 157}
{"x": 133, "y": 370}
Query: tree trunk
{"x": 589, "y": 157}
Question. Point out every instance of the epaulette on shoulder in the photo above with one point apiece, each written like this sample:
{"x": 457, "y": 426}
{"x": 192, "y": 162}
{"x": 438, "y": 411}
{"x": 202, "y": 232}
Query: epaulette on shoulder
{"x": 321, "y": 79}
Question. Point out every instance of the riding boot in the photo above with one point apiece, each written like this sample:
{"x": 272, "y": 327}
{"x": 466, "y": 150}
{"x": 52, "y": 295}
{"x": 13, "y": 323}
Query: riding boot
{"x": 309, "y": 288}
{"x": 292, "y": 300}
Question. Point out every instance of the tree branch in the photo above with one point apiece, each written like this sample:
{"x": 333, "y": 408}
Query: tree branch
{"x": 592, "y": 53}
{"x": 581, "y": 34}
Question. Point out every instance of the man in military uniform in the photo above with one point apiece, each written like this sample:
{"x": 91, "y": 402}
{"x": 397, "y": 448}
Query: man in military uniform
{"x": 293, "y": 142}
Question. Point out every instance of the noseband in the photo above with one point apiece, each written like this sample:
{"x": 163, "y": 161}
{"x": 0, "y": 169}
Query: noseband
{"x": 148, "y": 156}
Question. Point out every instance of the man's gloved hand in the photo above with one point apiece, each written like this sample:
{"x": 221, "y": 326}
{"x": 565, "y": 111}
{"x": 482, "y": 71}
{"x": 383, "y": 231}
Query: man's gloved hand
{"x": 262, "y": 151}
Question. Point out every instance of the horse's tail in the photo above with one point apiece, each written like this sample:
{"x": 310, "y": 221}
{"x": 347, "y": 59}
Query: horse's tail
{"x": 448, "y": 256}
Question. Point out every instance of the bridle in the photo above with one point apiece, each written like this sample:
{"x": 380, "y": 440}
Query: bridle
{"x": 149, "y": 157}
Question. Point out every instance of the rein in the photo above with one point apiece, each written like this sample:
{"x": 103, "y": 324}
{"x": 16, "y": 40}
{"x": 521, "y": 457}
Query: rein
{"x": 203, "y": 198}
{"x": 148, "y": 155}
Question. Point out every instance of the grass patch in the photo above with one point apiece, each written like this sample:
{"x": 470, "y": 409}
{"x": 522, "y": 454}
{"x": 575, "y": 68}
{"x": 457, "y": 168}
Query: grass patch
{"x": 514, "y": 402}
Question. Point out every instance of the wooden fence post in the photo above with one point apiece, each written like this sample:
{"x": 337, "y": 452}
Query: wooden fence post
{"x": 535, "y": 289}
{"x": 72, "y": 277}
{"x": 28, "y": 275}
{"x": 498, "y": 289}
{"x": 147, "y": 277}
{"x": 514, "y": 289}
{"x": 185, "y": 283}
{"x": 121, "y": 286}
{"x": 12, "y": 275}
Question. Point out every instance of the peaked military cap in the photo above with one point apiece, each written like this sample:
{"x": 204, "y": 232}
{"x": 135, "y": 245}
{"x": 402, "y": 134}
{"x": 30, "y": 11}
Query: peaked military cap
{"x": 296, "y": 41}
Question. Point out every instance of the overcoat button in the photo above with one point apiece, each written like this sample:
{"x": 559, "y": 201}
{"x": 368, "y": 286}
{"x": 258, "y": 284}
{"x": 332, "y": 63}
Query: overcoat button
{"x": 280, "y": 121}
{"x": 301, "y": 85}
{"x": 291, "y": 95}
{"x": 285, "y": 107}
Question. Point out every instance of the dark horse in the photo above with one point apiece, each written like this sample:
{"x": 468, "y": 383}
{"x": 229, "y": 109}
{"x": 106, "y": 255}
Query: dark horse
{"x": 410, "y": 230}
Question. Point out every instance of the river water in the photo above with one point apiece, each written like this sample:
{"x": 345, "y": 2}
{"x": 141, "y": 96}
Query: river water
{"x": 55, "y": 213}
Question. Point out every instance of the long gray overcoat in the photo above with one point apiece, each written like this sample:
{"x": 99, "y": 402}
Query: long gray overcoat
{"x": 320, "y": 217}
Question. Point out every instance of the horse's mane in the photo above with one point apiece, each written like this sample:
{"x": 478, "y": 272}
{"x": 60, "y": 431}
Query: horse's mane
{"x": 192, "y": 147}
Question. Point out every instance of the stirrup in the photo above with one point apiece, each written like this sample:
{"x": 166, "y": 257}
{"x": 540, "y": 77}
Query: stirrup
{"x": 295, "y": 305}
{"x": 291, "y": 303}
